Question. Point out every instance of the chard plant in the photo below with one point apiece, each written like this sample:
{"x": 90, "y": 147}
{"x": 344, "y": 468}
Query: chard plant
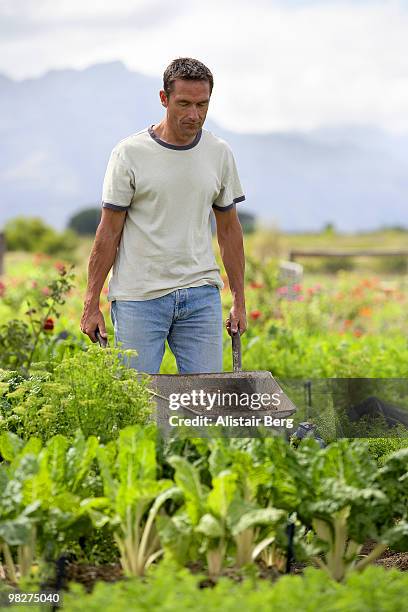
{"x": 252, "y": 515}
{"x": 45, "y": 497}
{"x": 347, "y": 500}
{"x": 225, "y": 516}
{"x": 134, "y": 496}
{"x": 18, "y": 517}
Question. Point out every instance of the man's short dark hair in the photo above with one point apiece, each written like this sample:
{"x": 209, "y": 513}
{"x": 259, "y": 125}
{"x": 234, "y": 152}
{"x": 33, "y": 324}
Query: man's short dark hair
{"x": 186, "y": 68}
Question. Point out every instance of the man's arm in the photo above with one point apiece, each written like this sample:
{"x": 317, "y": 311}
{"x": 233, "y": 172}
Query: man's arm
{"x": 230, "y": 240}
{"x": 101, "y": 260}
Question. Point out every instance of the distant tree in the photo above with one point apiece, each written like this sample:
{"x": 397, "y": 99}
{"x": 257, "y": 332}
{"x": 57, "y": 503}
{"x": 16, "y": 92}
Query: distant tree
{"x": 329, "y": 228}
{"x": 85, "y": 221}
{"x": 31, "y": 234}
{"x": 393, "y": 228}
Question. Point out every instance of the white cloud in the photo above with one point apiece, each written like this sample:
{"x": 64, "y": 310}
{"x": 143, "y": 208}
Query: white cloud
{"x": 277, "y": 65}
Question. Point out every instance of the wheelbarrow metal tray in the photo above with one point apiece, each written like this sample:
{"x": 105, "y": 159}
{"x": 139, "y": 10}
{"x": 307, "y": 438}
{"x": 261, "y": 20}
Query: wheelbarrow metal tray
{"x": 226, "y": 394}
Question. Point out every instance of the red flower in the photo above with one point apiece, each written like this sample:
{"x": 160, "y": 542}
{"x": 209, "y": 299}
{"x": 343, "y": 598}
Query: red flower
{"x": 48, "y": 324}
{"x": 60, "y": 267}
{"x": 2, "y": 289}
{"x": 358, "y": 332}
{"x": 255, "y": 314}
{"x": 296, "y": 287}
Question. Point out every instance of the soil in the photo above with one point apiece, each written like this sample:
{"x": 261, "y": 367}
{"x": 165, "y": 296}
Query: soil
{"x": 389, "y": 558}
{"x": 89, "y": 574}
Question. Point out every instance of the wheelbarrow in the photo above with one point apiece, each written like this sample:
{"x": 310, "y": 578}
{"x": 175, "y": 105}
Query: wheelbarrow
{"x": 230, "y": 404}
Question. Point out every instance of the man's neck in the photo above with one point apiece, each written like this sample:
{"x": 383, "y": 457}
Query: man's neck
{"x": 164, "y": 131}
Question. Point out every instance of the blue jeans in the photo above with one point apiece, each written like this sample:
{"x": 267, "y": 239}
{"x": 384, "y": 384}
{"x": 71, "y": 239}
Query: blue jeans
{"x": 189, "y": 319}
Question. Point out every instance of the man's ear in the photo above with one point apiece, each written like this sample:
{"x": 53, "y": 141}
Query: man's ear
{"x": 163, "y": 98}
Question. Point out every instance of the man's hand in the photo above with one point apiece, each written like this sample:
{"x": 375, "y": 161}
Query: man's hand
{"x": 236, "y": 320}
{"x": 91, "y": 320}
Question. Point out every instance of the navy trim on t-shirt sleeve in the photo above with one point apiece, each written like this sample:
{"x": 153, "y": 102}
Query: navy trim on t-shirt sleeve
{"x": 114, "y": 206}
{"x": 225, "y": 208}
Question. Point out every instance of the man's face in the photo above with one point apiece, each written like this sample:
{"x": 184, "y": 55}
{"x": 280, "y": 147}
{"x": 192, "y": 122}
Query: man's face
{"x": 187, "y": 105}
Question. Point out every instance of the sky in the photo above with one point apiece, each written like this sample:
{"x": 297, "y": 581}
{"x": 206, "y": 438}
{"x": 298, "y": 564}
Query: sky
{"x": 278, "y": 65}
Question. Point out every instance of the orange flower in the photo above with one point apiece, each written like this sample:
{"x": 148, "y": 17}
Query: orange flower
{"x": 366, "y": 311}
{"x": 255, "y": 285}
{"x": 358, "y": 332}
{"x": 369, "y": 282}
{"x": 255, "y": 314}
{"x": 357, "y": 292}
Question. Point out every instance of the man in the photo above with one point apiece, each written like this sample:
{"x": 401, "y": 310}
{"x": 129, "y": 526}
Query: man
{"x": 158, "y": 192}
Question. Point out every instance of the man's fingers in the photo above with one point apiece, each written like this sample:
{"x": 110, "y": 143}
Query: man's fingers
{"x": 233, "y": 325}
{"x": 91, "y": 334}
{"x": 90, "y": 324}
{"x": 102, "y": 328}
{"x": 242, "y": 328}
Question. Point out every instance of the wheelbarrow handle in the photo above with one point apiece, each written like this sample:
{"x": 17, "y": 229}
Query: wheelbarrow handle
{"x": 103, "y": 342}
{"x": 236, "y": 352}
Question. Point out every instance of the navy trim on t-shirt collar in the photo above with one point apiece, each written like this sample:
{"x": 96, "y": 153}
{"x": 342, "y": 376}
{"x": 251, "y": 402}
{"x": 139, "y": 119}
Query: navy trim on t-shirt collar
{"x": 173, "y": 146}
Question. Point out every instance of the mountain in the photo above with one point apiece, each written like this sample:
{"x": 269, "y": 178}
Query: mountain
{"x": 57, "y": 132}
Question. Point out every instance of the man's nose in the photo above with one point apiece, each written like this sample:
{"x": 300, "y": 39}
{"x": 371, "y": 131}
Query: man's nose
{"x": 194, "y": 115}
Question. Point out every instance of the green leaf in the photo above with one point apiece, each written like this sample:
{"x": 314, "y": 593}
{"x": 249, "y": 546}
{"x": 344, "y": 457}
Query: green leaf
{"x": 32, "y": 447}
{"x": 110, "y": 486}
{"x": 176, "y": 537}
{"x": 136, "y": 455}
{"x": 17, "y": 531}
{"x": 263, "y": 516}
{"x": 397, "y": 537}
{"x": 188, "y": 479}
{"x": 210, "y": 526}
{"x": 222, "y": 493}
{"x": 10, "y": 445}
{"x": 79, "y": 458}
{"x": 56, "y": 451}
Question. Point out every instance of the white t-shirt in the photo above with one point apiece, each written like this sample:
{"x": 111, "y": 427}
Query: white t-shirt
{"x": 168, "y": 192}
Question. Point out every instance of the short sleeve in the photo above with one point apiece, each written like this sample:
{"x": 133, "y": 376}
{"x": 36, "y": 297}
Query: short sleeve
{"x": 118, "y": 185}
{"x": 231, "y": 191}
